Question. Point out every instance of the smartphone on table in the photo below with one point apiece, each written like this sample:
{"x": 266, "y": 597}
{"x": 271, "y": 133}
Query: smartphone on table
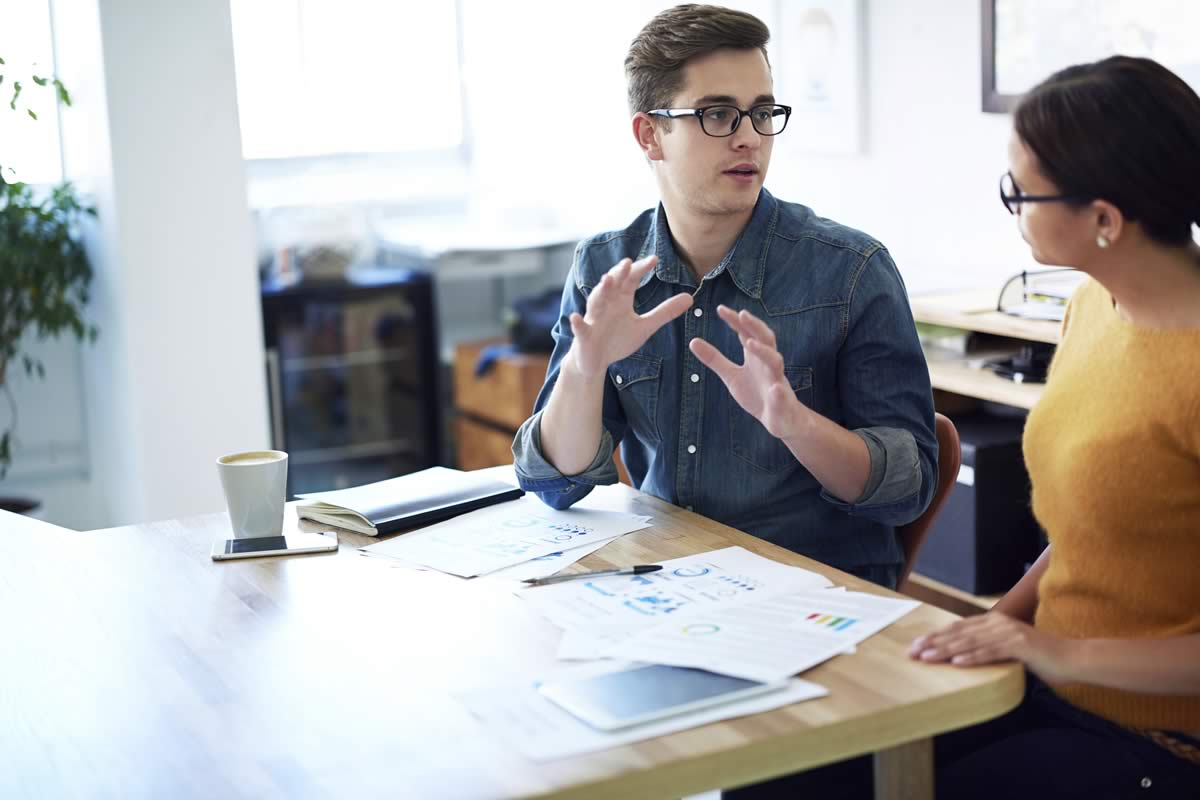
{"x": 292, "y": 543}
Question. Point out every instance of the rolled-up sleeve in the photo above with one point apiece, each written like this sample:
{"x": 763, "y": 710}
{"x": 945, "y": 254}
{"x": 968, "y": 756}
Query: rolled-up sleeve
{"x": 534, "y": 472}
{"x": 887, "y": 399}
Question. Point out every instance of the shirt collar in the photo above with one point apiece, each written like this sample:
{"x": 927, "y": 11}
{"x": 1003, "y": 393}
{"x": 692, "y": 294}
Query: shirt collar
{"x": 746, "y": 261}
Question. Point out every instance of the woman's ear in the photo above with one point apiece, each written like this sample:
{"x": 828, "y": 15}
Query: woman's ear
{"x": 1110, "y": 222}
{"x": 645, "y": 131}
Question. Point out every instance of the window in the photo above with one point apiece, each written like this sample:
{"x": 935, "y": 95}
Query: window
{"x": 333, "y": 77}
{"x": 30, "y": 147}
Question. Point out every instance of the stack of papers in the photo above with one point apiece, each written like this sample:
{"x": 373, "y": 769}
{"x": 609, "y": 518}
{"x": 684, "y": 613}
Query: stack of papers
{"x": 515, "y": 540}
{"x": 727, "y": 611}
{"x": 767, "y": 639}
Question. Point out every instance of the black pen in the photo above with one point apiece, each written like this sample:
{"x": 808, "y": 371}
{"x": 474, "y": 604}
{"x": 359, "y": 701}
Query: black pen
{"x": 640, "y": 569}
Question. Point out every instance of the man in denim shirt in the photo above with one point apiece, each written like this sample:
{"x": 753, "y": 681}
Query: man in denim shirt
{"x": 757, "y": 363}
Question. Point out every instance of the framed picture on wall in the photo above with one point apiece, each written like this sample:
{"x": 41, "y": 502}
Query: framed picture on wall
{"x": 819, "y": 69}
{"x": 1024, "y": 41}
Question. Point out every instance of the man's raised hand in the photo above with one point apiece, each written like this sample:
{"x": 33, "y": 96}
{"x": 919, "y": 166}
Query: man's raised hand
{"x": 758, "y": 384}
{"x": 610, "y": 329}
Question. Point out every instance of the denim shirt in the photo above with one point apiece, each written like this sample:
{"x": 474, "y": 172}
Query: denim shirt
{"x": 842, "y": 322}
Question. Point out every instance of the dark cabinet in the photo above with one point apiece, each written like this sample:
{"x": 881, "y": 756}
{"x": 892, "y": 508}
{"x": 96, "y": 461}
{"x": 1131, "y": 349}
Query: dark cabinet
{"x": 352, "y": 376}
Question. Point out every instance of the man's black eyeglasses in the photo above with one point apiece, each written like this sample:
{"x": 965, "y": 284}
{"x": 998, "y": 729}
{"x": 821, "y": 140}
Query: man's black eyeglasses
{"x": 767, "y": 119}
{"x": 1012, "y": 197}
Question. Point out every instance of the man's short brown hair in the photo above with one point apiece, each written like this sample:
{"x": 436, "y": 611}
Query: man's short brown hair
{"x": 654, "y": 65}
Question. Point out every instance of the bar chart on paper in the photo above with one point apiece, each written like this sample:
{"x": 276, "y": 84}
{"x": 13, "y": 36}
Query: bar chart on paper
{"x": 831, "y": 621}
{"x": 768, "y": 638}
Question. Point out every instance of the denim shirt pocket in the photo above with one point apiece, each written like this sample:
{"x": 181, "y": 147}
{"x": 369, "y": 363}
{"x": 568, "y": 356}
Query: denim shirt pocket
{"x": 749, "y": 440}
{"x": 637, "y": 380}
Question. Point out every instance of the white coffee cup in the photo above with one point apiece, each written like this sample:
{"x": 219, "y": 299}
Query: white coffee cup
{"x": 255, "y": 484}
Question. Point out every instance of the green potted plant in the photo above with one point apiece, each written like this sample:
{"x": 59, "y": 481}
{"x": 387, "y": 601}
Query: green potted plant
{"x": 44, "y": 272}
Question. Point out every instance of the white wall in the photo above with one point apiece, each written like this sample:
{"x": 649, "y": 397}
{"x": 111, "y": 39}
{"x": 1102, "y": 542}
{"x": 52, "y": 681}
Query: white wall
{"x": 925, "y": 182}
{"x": 176, "y": 378}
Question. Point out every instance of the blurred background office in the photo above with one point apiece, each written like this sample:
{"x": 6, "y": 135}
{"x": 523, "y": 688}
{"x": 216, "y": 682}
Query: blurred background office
{"x": 246, "y": 156}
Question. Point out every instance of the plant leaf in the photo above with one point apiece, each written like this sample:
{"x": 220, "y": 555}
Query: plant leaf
{"x": 16, "y": 93}
{"x": 29, "y": 111}
{"x": 40, "y": 81}
{"x": 63, "y": 94}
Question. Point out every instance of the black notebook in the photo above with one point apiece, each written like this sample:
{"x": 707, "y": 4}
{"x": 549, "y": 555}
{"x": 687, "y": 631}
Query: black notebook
{"x": 418, "y": 498}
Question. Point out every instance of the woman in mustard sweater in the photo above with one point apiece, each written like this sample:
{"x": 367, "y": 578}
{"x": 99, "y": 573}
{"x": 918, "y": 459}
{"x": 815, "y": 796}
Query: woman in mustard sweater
{"x": 1104, "y": 176}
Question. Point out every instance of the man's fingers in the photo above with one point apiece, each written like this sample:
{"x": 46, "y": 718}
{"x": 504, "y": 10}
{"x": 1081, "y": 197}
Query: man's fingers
{"x": 757, "y": 328}
{"x": 733, "y": 321}
{"x": 667, "y": 310}
{"x": 712, "y": 358}
{"x": 765, "y": 353}
{"x": 618, "y": 269}
{"x": 638, "y": 269}
{"x": 579, "y": 328}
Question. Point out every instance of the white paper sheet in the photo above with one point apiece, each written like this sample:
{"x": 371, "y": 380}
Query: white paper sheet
{"x": 499, "y": 536}
{"x": 547, "y": 565}
{"x": 716, "y": 578}
{"x": 767, "y": 639}
{"x": 540, "y": 730}
{"x": 587, "y": 645}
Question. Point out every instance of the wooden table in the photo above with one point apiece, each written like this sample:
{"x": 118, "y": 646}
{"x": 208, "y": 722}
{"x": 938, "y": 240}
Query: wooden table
{"x": 134, "y": 666}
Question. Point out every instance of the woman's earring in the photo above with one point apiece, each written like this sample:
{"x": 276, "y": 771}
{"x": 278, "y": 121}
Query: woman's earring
{"x": 1102, "y": 241}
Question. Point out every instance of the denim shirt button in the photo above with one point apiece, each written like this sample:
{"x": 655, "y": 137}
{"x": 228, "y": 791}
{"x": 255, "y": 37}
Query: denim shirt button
{"x": 699, "y": 312}
{"x": 620, "y": 380}
{"x": 689, "y": 508}
{"x": 695, "y": 378}
{"x": 691, "y": 448}
{"x": 1147, "y": 783}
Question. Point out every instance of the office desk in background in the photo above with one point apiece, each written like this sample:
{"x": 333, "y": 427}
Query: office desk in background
{"x": 134, "y": 666}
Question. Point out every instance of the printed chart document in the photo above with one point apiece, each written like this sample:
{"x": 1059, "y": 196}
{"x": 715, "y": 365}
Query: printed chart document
{"x": 712, "y": 579}
{"x": 493, "y": 538}
{"x": 547, "y": 565}
{"x": 766, "y": 639}
{"x": 542, "y": 731}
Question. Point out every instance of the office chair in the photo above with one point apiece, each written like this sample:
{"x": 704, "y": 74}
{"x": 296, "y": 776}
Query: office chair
{"x": 912, "y": 535}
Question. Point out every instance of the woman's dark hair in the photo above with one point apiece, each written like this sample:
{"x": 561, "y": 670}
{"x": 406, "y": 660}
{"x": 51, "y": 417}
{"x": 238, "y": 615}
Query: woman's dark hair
{"x": 1125, "y": 130}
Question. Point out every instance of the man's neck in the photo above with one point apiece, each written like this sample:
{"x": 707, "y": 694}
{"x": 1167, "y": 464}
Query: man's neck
{"x": 702, "y": 240}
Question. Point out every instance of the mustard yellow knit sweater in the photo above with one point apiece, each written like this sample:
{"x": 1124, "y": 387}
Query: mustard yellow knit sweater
{"x": 1113, "y": 450}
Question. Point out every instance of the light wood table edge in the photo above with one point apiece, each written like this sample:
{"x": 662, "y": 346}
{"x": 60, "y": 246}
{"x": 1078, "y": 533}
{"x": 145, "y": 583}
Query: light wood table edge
{"x": 947, "y": 597}
{"x": 756, "y": 762}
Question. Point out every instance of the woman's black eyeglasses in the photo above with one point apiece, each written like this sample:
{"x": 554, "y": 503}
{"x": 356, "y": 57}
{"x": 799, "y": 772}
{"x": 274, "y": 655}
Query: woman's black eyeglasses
{"x": 1012, "y": 196}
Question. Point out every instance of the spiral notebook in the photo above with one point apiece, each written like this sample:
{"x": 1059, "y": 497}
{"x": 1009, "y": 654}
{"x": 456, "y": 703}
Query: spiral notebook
{"x": 418, "y": 498}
